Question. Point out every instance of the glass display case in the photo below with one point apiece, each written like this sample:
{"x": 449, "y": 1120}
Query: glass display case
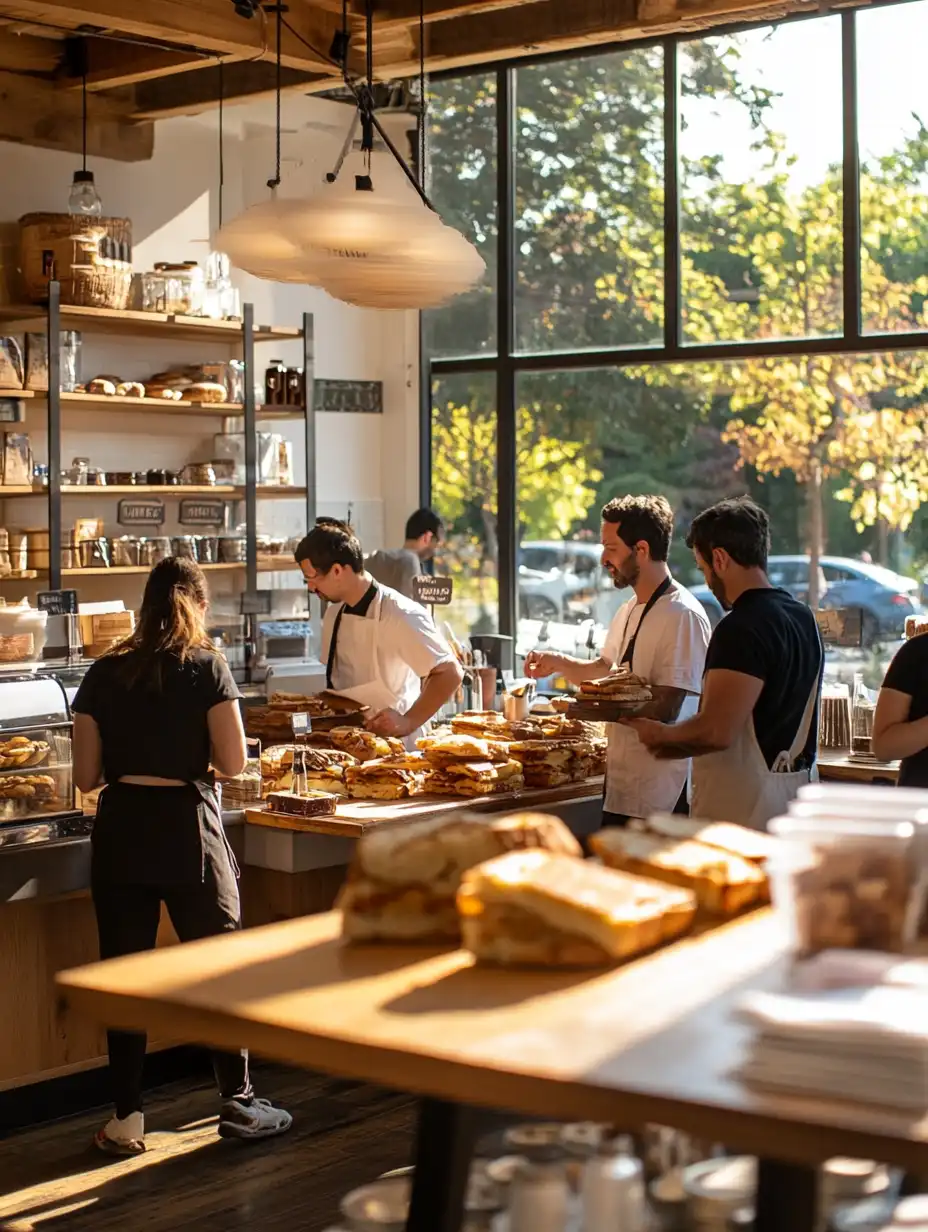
{"x": 36, "y": 782}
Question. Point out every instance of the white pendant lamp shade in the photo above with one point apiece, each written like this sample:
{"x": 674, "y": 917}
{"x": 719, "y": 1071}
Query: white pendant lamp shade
{"x": 259, "y": 242}
{"x": 369, "y": 248}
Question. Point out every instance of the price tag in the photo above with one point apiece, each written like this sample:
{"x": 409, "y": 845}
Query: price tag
{"x": 139, "y": 512}
{"x": 432, "y": 591}
{"x": 57, "y": 602}
{"x": 256, "y": 603}
{"x": 301, "y": 724}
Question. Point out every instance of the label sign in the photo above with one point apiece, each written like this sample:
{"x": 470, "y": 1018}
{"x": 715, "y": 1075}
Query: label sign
{"x": 256, "y": 603}
{"x": 358, "y": 397}
{"x": 841, "y": 626}
{"x": 432, "y": 591}
{"x": 199, "y": 512}
{"x": 57, "y": 602}
{"x": 301, "y": 725}
{"x": 140, "y": 512}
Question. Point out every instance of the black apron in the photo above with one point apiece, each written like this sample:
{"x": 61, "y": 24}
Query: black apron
{"x": 628, "y": 657}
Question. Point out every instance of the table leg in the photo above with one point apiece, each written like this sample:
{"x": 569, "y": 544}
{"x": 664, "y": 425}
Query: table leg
{"x": 445, "y": 1137}
{"x": 787, "y": 1197}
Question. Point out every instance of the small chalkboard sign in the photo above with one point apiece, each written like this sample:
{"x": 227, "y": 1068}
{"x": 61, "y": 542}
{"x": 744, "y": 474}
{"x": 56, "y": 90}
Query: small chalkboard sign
{"x": 432, "y": 591}
{"x": 57, "y": 602}
{"x": 256, "y": 603}
{"x": 140, "y": 512}
{"x": 841, "y": 626}
{"x": 201, "y": 512}
{"x": 352, "y": 397}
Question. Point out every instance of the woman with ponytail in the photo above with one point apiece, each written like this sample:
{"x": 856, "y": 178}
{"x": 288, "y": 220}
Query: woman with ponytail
{"x": 153, "y": 719}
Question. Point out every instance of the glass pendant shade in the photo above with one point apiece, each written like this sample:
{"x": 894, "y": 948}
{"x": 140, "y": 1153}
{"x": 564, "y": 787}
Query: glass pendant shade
{"x": 259, "y": 242}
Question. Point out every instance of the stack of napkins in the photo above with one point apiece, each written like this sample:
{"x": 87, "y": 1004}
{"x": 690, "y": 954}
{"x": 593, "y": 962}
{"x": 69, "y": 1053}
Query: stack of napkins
{"x": 866, "y": 1041}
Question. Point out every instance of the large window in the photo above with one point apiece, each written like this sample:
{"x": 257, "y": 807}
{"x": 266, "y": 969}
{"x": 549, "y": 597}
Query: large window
{"x": 700, "y": 299}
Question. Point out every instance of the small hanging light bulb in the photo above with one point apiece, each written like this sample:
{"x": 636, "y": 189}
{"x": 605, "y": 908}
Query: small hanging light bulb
{"x": 84, "y": 198}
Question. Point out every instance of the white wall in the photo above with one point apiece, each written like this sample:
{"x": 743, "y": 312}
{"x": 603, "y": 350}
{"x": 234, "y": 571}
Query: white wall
{"x": 367, "y": 462}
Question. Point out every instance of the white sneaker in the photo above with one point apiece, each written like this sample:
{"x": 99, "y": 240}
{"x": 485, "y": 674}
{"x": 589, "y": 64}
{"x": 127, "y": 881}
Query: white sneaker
{"x": 122, "y": 1137}
{"x": 252, "y": 1119}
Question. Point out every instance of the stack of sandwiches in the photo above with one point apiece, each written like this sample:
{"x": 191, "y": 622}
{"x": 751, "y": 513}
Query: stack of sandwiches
{"x": 325, "y": 769}
{"x": 384, "y": 778}
{"x": 619, "y": 686}
{"x": 402, "y": 882}
{"x": 723, "y": 865}
{"x": 361, "y": 744}
{"x": 462, "y": 765}
{"x": 552, "y": 763}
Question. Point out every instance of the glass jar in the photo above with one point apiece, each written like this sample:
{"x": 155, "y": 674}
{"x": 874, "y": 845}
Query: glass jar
{"x": 153, "y": 291}
{"x": 183, "y": 288}
{"x": 294, "y": 392}
{"x": 862, "y": 714}
{"x": 275, "y": 383}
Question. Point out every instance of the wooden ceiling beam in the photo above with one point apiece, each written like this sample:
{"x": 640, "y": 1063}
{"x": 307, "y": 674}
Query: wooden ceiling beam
{"x": 204, "y": 25}
{"x": 24, "y": 53}
{"x": 112, "y": 64}
{"x": 406, "y": 12}
{"x": 35, "y": 112}
{"x": 196, "y": 93}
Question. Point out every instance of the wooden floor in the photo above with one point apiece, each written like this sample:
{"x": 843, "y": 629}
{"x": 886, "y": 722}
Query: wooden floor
{"x": 52, "y": 1179}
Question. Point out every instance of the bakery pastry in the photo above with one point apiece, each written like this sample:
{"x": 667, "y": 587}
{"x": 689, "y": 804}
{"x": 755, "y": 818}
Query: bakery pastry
{"x": 622, "y": 685}
{"x": 402, "y": 882}
{"x": 204, "y": 391}
{"x": 752, "y": 845}
{"x": 722, "y": 882}
{"x": 306, "y": 804}
{"x": 130, "y": 389}
{"x": 458, "y": 748}
{"x": 543, "y": 909}
{"x": 381, "y": 779}
{"x": 481, "y": 778}
{"x": 364, "y": 745}
{"x": 21, "y": 752}
{"x": 26, "y": 786}
{"x": 102, "y": 387}
{"x": 324, "y": 769}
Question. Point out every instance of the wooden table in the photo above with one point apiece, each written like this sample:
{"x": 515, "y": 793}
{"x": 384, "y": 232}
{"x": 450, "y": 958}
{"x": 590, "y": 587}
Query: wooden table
{"x": 836, "y": 766}
{"x": 653, "y": 1041}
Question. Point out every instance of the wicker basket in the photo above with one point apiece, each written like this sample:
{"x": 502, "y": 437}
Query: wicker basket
{"x": 90, "y": 257}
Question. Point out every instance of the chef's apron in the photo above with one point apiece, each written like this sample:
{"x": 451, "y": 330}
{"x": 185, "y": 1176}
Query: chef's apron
{"x": 737, "y": 785}
{"x": 353, "y": 664}
{"x": 160, "y": 836}
{"x": 623, "y": 739}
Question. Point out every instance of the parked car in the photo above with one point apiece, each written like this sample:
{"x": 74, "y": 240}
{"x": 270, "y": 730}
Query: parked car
{"x": 884, "y": 597}
{"x": 564, "y": 581}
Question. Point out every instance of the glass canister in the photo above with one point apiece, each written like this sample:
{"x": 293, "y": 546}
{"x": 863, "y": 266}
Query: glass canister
{"x": 183, "y": 288}
{"x": 275, "y": 383}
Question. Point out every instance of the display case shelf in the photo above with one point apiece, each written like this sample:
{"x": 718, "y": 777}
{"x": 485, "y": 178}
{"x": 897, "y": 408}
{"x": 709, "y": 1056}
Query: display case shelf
{"x": 285, "y": 565}
{"x": 155, "y": 406}
{"x": 177, "y": 490}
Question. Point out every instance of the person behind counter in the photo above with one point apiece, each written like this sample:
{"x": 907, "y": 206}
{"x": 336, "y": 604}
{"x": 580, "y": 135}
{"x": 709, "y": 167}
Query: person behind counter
{"x": 397, "y": 567}
{"x": 380, "y": 648}
{"x": 900, "y": 725}
{"x": 661, "y": 634}
{"x": 150, "y": 718}
{"x": 755, "y": 737}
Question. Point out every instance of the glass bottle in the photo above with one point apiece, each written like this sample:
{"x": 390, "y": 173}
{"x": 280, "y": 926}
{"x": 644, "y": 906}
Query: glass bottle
{"x": 861, "y": 718}
{"x": 84, "y": 198}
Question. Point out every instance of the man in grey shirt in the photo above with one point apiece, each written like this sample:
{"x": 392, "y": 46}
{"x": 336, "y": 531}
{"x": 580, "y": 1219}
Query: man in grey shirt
{"x": 397, "y": 567}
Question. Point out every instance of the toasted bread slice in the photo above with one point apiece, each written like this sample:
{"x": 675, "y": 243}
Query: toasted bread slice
{"x": 752, "y": 845}
{"x": 540, "y": 908}
{"x": 722, "y": 882}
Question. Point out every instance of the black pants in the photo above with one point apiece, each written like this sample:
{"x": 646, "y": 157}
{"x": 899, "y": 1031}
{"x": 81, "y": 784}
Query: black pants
{"x": 136, "y": 868}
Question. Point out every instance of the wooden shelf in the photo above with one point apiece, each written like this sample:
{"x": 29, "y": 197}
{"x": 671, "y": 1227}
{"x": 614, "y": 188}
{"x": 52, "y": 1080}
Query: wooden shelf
{"x": 286, "y": 565}
{"x": 156, "y": 406}
{"x": 33, "y": 318}
{"x": 177, "y": 490}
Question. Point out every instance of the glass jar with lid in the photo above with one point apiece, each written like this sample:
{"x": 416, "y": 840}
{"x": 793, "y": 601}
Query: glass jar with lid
{"x": 184, "y": 288}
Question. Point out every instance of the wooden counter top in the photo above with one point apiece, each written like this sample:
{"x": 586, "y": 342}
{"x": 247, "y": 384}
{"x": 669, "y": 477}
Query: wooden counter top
{"x": 836, "y": 766}
{"x": 652, "y": 1041}
{"x": 354, "y": 817}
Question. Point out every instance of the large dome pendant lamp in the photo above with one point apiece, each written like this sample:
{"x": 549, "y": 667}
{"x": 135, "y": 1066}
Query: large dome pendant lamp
{"x": 365, "y": 245}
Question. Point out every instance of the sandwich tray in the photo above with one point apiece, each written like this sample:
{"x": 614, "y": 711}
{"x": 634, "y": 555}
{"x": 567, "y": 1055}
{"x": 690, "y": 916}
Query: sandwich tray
{"x": 607, "y": 710}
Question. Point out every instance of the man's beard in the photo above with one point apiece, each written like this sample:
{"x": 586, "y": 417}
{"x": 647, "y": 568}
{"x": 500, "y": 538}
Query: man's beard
{"x": 626, "y": 575}
{"x": 717, "y": 586}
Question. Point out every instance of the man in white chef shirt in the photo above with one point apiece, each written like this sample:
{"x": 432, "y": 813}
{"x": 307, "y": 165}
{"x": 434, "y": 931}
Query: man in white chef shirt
{"x": 661, "y": 633}
{"x": 380, "y": 648}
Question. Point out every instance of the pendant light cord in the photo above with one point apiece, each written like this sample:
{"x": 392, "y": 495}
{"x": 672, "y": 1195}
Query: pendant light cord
{"x": 222, "y": 150}
{"x": 275, "y": 182}
{"x": 423, "y": 110}
{"x": 84, "y": 108}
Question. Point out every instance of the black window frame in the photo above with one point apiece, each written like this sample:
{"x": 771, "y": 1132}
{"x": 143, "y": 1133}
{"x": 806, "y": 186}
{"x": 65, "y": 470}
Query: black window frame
{"x": 507, "y": 363}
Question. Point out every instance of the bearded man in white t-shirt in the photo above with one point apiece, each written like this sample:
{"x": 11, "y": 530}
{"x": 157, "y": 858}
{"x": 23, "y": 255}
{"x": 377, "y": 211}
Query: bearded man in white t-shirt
{"x": 661, "y": 633}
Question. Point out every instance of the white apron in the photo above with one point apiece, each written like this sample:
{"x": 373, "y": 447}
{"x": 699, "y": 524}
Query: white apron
{"x": 737, "y": 785}
{"x": 356, "y": 664}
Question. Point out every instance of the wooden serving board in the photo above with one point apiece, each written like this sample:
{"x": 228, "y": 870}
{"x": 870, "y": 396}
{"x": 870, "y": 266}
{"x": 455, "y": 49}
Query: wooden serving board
{"x": 355, "y": 817}
{"x": 590, "y": 711}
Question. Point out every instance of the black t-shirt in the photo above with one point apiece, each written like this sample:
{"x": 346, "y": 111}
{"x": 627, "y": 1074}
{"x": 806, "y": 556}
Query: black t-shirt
{"x": 908, "y": 673}
{"x": 769, "y": 635}
{"x": 162, "y": 732}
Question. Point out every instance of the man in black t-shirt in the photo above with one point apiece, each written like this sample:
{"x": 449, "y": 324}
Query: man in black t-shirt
{"x": 755, "y": 736}
{"x": 900, "y": 726}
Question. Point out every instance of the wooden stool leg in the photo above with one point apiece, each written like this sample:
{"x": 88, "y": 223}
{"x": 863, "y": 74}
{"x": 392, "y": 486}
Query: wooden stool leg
{"x": 787, "y": 1197}
{"x": 445, "y": 1137}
